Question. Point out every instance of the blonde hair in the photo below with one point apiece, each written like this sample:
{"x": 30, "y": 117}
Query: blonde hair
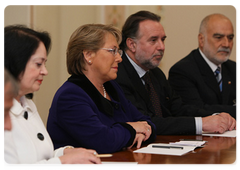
{"x": 87, "y": 37}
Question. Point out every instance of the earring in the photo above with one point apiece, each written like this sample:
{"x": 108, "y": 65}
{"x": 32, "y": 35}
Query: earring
{"x": 90, "y": 62}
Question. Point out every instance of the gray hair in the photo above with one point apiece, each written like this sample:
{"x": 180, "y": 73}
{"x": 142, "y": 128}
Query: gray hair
{"x": 204, "y": 23}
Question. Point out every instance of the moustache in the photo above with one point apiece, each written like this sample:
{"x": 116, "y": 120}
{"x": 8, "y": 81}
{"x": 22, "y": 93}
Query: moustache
{"x": 159, "y": 53}
{"x": 224, "y": 50}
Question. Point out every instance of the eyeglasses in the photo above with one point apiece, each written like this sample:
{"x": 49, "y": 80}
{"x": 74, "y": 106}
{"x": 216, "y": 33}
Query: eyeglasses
{"x": 114, "y": 51}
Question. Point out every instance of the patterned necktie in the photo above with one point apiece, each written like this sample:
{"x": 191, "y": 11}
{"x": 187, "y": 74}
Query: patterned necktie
{"x": 219, "y": 77}
{"x": 152, "y": 94}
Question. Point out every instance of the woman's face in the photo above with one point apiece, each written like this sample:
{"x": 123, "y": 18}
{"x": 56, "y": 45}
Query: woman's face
{"x": 105, "y": 62}
{"x": 32, "y": 78}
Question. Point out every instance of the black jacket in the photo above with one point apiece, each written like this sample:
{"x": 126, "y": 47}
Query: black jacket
{"x": 178, "y": 119}
{"x": 195, "y": 82}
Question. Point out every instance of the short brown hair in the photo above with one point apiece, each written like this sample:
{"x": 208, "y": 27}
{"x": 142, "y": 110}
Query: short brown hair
{"x": 87, "y": 37}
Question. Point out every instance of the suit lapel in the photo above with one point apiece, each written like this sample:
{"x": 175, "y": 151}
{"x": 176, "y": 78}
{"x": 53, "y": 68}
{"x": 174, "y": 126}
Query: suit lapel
{"x": 226, "y": 79}
{"x": 207, "y": 74}
{"x": 134, "y": 78}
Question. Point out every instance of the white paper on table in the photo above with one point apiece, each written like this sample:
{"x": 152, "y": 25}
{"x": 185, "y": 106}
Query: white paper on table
{"x": 163, "y": 151}
{"x": 189, "y": 143}
{"x": 120, "y": 163}
{"x": 225, "y": 134}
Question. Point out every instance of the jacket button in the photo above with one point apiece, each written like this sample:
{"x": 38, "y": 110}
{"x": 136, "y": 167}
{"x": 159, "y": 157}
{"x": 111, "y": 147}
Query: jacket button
{"x": 40, "y": 136}
{"x": 25, "y": 115}
{"x": 116, "y": 106}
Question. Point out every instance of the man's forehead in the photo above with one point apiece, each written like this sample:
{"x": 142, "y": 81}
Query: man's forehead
{"x": 220, "y": 25}
{"x": 151, "y": 29}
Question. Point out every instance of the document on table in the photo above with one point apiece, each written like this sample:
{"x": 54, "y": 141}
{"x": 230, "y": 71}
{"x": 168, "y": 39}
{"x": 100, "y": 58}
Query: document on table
{"x": 165, "y": 149}
{"x": 225, "y": 134}
{"x": 189, "y": 143}
{"x": 120, "y": 163}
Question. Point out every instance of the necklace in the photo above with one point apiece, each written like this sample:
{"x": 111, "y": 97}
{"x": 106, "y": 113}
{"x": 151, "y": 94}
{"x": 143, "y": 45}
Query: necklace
{"x": 104, "y": 92}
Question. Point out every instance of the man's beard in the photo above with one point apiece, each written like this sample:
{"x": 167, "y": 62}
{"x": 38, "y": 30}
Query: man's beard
{"x": 149, "y": 63}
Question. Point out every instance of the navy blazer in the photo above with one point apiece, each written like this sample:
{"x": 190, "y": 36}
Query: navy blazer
{"x": 178, "y": 119}
{"x": 81, "y": 117}
{"x": 195, "y": 82}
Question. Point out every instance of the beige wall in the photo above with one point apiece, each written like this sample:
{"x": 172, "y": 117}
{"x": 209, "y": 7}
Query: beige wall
{"x": 181, "y": 25}
{"x": 17, "y": 14}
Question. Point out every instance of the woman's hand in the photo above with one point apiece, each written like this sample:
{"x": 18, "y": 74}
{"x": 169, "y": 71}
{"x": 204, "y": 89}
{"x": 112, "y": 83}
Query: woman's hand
{"x": 138, "y": 139}
{"x": 142, "y": 127}
{"x": 79, "y": 156}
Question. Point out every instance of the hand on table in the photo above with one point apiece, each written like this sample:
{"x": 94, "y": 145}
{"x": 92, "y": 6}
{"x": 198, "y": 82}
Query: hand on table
{"x": 79, "y": 156}
{"x": 139, "y": 138}
{"x": 142, "y": 127}
{"x": 218, "y": 123}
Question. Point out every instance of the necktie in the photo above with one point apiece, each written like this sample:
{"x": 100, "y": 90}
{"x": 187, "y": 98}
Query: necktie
{"x": 219, "y": 77}
{"x": 152, "y": 94}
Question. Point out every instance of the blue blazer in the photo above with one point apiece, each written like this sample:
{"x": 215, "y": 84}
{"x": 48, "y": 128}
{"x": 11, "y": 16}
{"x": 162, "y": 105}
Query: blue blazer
{"x": 81, "y": 117}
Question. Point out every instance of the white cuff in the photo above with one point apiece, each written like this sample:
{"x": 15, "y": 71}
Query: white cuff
{"x": 198, "y": 121}
{"x": 59, "y": 152}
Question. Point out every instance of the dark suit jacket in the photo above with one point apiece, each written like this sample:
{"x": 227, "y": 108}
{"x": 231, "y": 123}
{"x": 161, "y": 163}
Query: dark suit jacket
{"x": 194, "y": 81}
{"x": 171, "y": 104}
{"x": 81, "y": 117}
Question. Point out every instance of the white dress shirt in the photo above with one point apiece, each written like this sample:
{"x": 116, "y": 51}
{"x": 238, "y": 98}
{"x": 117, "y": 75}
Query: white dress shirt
{"x": 211, "y": 64}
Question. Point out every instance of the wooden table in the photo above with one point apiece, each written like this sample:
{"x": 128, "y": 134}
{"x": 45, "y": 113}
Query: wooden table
{"x": 218, "y": 150}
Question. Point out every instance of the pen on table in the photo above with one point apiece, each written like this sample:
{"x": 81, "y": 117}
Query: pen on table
{"x": 103, "y": 155}
{"x": 191, "y": 140}
{"x": 167, "y": 147}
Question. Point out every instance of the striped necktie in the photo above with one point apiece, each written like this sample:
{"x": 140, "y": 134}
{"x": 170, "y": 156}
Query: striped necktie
{"x": 152, "y": 94}
{"x": 219, "y": 77}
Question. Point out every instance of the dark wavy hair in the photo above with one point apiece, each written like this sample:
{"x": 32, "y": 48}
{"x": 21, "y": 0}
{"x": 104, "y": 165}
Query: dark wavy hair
{"x": 20, "y": 43}
{"x": 131, "y": 26}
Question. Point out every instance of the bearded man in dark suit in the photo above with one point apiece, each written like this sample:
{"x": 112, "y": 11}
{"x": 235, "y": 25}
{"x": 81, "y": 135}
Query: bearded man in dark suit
{"x": 143, "y": 45}
{"x": 194, "y": 77}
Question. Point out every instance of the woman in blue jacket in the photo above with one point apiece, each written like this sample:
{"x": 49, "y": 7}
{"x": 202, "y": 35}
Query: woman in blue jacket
{"x": 90, "y": 110}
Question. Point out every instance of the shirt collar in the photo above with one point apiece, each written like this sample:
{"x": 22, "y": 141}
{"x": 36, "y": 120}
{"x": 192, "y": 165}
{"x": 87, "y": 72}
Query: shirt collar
{"x": 141, "y": 72}
{"x": 211, "y": 64}
{"x": 18, "y": 108}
